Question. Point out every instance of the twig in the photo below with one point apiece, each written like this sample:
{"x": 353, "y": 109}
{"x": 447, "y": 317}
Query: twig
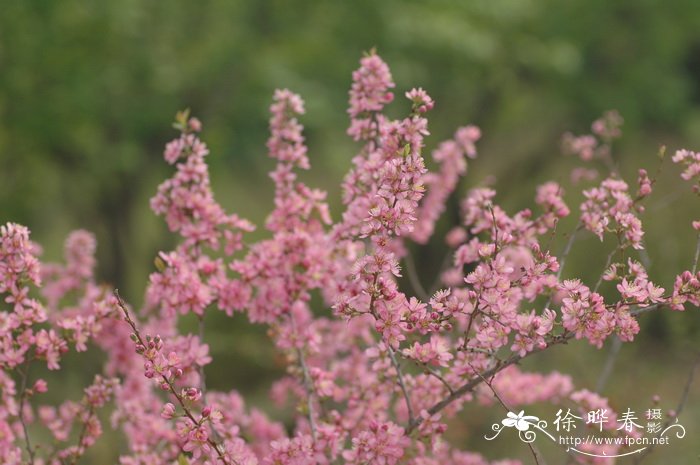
{"x": 202, "y": 377}
{"x": 80, "y": 449}
{"x": 649, "y": 308}
{"x": 567, "y": 250}
{"x": 310, "y": 392}
{"x": 372, "y": 299}
{"x": 25, "y": 376}
{"x": 167, "y": 381}
{"x": 308, "y": 384}
{"x": 413, "y": 278}
{"x": 609, "y": 364}
{"x": 608, "y": 261}
{"x": 474, "y": 382}
{"x": 399, "y": 376}
{"x": 564, "y": 255}
{"x": 440, "y": 378}
{"x": 495, "y": 229}
{"x": 513, "y": 359}
{"x": 536, "y": 454}
{"x": 443, "y": 266}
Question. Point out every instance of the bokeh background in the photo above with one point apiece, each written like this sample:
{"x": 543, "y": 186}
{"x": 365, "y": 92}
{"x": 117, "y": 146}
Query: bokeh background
{"x": 88, "y": 91}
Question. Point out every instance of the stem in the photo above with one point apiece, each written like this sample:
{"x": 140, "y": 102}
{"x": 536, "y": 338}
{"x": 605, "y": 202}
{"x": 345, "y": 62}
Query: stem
{"x": 536, "y": 454}
{"x": 443, "y": 266}
{"x": 473, "y": 383}
{"x": 413, "y": 277}
{"x": 609, "y": 364}
{"x": 308, "y": 384}
{"x": 309, "y": 390}
{"x": 440, "y": 378}
{"x": 567, "y": 250}
{"x": 564, "y": 255}
{"x": 23, "y": 396}
{"x": 202, "y": 376}
{"x": 697, "y": 255}
{"x": 399, "y": 374}
{"x": 79, "y": 452}
{"x": 171, "y": 387}
{"x": 513, "y": 359}
{"x": 608, "y": 261}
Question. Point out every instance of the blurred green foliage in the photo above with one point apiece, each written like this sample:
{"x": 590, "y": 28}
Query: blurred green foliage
{"x": 87, "y": 91}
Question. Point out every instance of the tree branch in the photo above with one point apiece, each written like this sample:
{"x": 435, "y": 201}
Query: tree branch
{"x": 171, "y": 387}
{"x": 23, "y": 397}
{"x": 399, "y": 375}
{"x": 413, "y": 277}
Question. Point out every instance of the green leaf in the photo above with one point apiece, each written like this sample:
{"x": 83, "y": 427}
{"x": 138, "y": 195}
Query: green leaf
{"x": 160, "y": 264}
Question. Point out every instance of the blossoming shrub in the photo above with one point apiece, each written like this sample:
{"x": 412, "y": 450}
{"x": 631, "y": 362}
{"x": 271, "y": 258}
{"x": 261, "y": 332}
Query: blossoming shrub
{"x": 376, "y": 374}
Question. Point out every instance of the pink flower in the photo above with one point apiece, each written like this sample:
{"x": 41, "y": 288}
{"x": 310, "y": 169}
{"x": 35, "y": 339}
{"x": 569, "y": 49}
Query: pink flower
{"x": 168, "y": 411}
{"x": 436, "y": 352}
{"x": 382, "y": 443}
{"x": 372, "y": 381}
{"x": 370, "y": 86}
{"x": 421, "y": 100}
{"x": 40, "y": 386}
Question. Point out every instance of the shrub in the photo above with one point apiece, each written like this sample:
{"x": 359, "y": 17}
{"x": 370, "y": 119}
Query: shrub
{"x": 377, "y": 373}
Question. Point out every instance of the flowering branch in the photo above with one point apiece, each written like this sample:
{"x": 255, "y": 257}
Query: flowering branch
{"x": 536, "y": 454}
{"x": 351, "y": 363}
{"x": 402, "y": 384}
{"x": 142, "y": 346}
{"x": 24, "y": 375}
{"x": 474, "y": 382}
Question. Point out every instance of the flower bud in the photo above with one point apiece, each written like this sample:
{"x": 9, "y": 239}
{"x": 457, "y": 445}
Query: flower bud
{"x": 168, "y": 411}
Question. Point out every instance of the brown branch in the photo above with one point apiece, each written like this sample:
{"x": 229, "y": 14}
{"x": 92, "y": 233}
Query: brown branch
{"x": 202, "y": 377}
{"x": 413, "y": 278}
{"x": 23, "y": 397}
{"x": 402, "y": 385}
{"x": 80, "y": 449}
{"x": 608, "y": 261}
{"x": 168, "y": 382}
{"x": 437, "y": 375}
{"x": 609, "y": 364}
{"x": 308, "y": 383}
{"x": 536, "y": 454}
{"x": 444, "y": 265}
{"x": 392, "y": 356}
{"x": 567, "y": 250}
{"x": 470, "y": 385}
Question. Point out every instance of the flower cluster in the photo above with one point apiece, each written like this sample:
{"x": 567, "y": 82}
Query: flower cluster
{"x": 610, "y": 208}
{"x": 597, "y": 145}
{"x": 36, "y": 332}
{"x": 377, "y": 366}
